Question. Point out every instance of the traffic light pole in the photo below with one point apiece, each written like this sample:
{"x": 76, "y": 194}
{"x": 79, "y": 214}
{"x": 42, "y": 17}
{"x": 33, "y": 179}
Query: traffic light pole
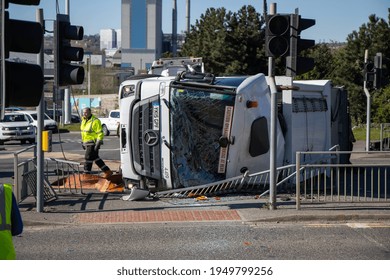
{"x": 2, "y": 59}
{"x": 67, "y": 93}
{"x": 368, "y": 95}
{"x": 272, "y": 158}
{"x": 40, "y": 113}
{"x": 273, "y": 140}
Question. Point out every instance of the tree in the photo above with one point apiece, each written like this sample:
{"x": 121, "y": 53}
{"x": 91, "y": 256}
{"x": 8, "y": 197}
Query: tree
{"x": 349, "y": 63}
{"x": 382, "y": 106}
{"x": 207, "y": 38}
{"x": 324, "y": 63}
{"x": 230, "y": 43}
{"x": 246, "y": 42}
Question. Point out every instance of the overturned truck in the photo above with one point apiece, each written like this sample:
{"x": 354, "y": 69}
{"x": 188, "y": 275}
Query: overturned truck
{"x": 196, "y": 129}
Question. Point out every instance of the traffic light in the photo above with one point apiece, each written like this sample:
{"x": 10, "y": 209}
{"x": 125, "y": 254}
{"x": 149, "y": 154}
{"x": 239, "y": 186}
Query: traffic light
{"x": 369, "y": 74}
{"x": 296, "y": 65}
{"x": 277, "y": 35}
{"x": 373, "y": 73}
{"x": 21, "y": 83}
{"x": 378, "y": 71}
{"x": 65, "y": 72}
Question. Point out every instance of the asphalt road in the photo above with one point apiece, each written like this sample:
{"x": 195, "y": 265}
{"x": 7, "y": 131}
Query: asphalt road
{"x": 206, "y": 241}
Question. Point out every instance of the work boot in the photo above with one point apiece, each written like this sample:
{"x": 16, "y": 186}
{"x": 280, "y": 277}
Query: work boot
{"x": 107, "y": 174}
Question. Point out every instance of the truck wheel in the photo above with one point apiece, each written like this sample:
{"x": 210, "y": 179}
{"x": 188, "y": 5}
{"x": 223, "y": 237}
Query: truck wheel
{"x": 105, "y": 130}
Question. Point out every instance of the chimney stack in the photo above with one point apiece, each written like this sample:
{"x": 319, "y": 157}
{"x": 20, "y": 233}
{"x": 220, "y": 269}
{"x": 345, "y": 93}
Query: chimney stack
{"x": 174, "y": 29}
{"x": 188, "y": 16}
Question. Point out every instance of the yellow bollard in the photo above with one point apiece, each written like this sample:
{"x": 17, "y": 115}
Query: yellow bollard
{"x": 46, "y": 141}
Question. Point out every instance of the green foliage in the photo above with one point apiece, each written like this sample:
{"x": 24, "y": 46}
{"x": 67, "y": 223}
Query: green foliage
{"x": 360, "y": 133}
{"x": 103, "y": 81}
{"x": 381, "y": 106}
{"x": 230, "y": 43}
{"x": 324, "y": 63}
{"x": 349, "y": 62}
{"x": 207, "y": 38}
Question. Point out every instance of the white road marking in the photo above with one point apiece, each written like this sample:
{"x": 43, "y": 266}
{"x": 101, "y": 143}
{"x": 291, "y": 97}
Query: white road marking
{"x": 351, "y": 225}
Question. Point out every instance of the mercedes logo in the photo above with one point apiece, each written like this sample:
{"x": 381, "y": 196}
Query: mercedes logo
{"x": 150, "y": 137}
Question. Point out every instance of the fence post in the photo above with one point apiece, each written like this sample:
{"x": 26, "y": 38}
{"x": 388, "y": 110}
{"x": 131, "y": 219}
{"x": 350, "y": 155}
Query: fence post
{"x": 16, "y": 177}
{"x": 298, "y": 179}
{"x": 381, "y": 138}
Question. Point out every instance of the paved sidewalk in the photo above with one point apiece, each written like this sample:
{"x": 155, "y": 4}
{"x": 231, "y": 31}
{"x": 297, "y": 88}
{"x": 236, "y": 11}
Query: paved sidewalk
{"x": 110, "y": 208}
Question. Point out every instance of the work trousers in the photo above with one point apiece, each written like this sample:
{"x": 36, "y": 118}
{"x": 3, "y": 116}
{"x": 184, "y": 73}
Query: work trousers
{"x": 92, "y": 156}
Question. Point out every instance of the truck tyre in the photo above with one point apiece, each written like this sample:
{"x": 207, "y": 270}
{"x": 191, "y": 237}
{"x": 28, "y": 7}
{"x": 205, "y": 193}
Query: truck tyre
{"x": 105, "y": 130}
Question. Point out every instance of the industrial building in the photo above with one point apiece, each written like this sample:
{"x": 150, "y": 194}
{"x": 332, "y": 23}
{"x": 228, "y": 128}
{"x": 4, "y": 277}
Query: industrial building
{"x": 108, "y": 39}
{"x": 140, "y": 41}
{"x": 141, "y": 33}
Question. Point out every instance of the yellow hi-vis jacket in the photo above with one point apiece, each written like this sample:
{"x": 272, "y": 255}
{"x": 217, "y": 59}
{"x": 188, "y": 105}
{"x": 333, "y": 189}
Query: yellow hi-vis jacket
{"x": 7, "y": 250}
{"x": 91, "y": 130}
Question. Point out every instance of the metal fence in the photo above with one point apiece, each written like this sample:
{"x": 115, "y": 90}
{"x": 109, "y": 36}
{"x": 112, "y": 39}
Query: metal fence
{"x": 366, "y": 179}
{"x": 64, "y": 175}
{"x": 59, "y": 176}
{"x": 256, "y": 182}
{"x": 384, "y": 137}
{"x": 324, "y": 180}
{"x": 20, "y": 187}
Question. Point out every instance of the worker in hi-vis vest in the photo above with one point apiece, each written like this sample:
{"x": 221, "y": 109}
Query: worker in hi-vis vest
{"x": 10, "y": 222}
{"x": 92, "y": 138}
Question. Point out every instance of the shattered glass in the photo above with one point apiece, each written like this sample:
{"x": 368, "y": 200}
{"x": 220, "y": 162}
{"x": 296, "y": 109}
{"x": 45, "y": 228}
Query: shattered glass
{"x": 197, "y": 118}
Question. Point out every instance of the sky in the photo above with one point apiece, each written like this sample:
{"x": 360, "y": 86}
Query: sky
{"x": 335, "y": 19}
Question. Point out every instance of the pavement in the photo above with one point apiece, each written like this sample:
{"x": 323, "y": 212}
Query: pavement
{"x": 106, "y": 208}
{"x": 94, "y": 207}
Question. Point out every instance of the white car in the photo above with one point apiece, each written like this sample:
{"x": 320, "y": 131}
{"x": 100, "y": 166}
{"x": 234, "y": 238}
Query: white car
{"x": 111, "y": 123}
{"x": 16, "y": 126}
{"x": 48, "y": 123}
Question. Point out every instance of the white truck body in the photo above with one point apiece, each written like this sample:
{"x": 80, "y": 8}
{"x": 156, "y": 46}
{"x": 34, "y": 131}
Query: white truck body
{"x": 177, "y": 134}
{"x": 111, "y": 123}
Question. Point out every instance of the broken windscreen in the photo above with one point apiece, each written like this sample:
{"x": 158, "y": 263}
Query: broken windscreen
{"x": 197, "y": 122}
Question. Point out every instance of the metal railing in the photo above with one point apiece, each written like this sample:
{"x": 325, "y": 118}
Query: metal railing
{"x": 384, "y": 137}
{"x": 20, "y": 187}
{"x": 364, "y": 180}
{"x": 256, "y": 182}
{"x": 64, "y": 175}
{"x": 322, "y": 180}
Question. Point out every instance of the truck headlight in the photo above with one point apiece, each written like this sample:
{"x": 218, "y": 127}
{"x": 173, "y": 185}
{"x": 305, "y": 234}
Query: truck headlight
{"x": 30, "y": 127}
{"x": 128, "y": 91}
{"x": 5, "y": 128}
